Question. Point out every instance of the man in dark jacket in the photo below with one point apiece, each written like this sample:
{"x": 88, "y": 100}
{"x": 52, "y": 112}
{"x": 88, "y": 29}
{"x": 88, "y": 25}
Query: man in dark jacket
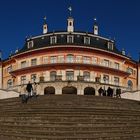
{"x": 100, "y": 91}
{"x": 29, "y": 89}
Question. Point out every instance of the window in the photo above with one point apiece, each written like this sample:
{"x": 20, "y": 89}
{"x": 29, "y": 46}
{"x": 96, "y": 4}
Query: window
{"x": 33, "y": 78}
{"x": 30, "y": 44}
{"x": 9, "y": 69}
{"x": 9, "y": 83}
{"x": 78, "y": 59}
{"x": 117, "y": 66}
{"x": 94, "y": 60}
{"x": 130, "y": 84}
{"x": 34, "y": 62}
{"x": 70, "y": 75}
{"x": 86, "y": 60}
{"x": 53, "y": 40}
{"x": 53, "y": 59}
{"x": 106, "y": 79}
{"x": 110, "y": 45}
{"x": 70, "y": 23}
{"x": 130, "y": 70}
{"x": 116, "y": 81}
{"x": 87, "y": 40}
{"x": 52, "y": 75}
{"x": 23, "y": 79}
{"x": 86, "y": 76}
{"x": 70, "y": 39}
{"x": 70, "y": 58}
{"x": 23, "y": 64}
{"x": 61, "y": 59}
{"x": 106, "y": 63}
{"x": 46, "y": 60}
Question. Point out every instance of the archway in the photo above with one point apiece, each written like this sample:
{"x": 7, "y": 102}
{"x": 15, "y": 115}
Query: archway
{"x": 89, "y": 91}
{"x": 69, "y": 90}
{"x": 49, "y": 90}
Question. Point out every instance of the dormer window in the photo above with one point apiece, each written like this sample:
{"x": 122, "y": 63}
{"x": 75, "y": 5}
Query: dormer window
{"x": 53, "y": 40}
{"x": 70, "y": 39}
{"x": 110, "y": 45}
{"x": 87, "y": 40}
{"x": 30, "y": 44}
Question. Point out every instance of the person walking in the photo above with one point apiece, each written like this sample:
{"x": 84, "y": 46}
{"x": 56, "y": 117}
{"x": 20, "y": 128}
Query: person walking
{"x": 23, "y": 95}
{"x": 29, "y": 89}
{"x": 118, "y": 93}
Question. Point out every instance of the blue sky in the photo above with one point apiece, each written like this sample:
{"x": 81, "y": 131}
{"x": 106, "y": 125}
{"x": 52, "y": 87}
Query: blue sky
{"x": 119, "y": 19}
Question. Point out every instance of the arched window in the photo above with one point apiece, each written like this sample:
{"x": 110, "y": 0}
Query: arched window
{"x": 9, "y": 83}
{"x": 130, "y": 84}
{"x": 52, "y": 75}
{"x": 70, "y": 58}
{"x": 86, "y": 75}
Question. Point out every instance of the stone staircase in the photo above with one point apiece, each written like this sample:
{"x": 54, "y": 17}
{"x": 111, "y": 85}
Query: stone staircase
{"x": 70, "y": 117}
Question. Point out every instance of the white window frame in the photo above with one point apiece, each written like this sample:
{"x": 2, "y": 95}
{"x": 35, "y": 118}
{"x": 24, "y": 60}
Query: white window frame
{"x": 33, "y": 62}
{"x": 86, "y": 76}
{"x": 117, "y": 65}
{"x": 110, "y": 45}
{"x": 53, "y": 75}
{"x": 9, "y": 69}
{"x": 70, "y": 39}
{"x": 33, "y": 78}
{"x": 86, "y": 59}
{"x": 9, "y": 83}
{"x": 117, "y": 81}
{"x": 46, "y": 59}
{"x": 30, "y": 44}
{"x": 106, "y": 80}
{"x": 70, "y": 75}
{"x": 106, "y": 63}
{"x": 61, "y": 59}
{"x": 78, "y": 59}
{"x": 70, "y": 58}
{"x": 23, "y": 64}
{"x": 53, "y": 40}
{"x": 87, "y": 40}
{"x": 23, "y": 80}
{"x": 53, "y": 59}
{"x": 94, "y": 60}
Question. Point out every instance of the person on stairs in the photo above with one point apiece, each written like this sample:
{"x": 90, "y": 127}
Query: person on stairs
{"x": 29, "y": 89}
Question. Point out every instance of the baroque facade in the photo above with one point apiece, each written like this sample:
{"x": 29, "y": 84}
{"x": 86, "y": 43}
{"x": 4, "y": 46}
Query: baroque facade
{"x": 70, "y": 62}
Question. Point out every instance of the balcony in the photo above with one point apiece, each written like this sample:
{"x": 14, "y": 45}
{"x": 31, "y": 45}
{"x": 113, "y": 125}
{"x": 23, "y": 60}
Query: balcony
{"x": 43, "y": 66}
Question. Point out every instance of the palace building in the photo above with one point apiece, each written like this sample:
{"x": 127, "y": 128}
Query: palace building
{"x": 70, "y": 62}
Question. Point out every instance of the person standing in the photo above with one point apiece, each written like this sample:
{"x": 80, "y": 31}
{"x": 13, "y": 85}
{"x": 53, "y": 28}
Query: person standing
{"x": 100, "y": 91}
{"x": 29, "y": 89}
{"x": 35, "y": 89}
